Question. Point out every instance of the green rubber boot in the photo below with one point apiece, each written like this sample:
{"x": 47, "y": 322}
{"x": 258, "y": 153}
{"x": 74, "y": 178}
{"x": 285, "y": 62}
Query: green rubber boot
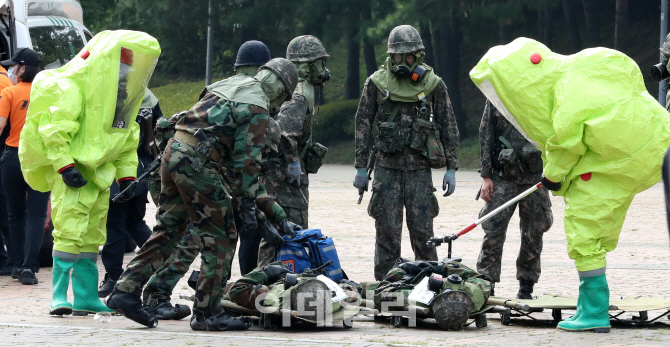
{"x": 60, "y": 282}
{"x": 592, "y": 307}
{"x": 85, "y": 288}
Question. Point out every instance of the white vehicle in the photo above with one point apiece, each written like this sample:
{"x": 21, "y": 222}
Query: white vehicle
{"x": 53, "y": 28}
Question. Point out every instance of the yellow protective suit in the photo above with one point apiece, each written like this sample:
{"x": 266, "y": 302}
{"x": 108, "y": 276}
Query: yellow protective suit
{"x": 84, "y": 114}
{"x": 601, "y": 134}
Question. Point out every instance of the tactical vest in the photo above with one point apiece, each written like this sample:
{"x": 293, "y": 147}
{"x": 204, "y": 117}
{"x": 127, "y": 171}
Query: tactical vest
{"x": 513, "y": 154}
{"x": 420, "y": 135}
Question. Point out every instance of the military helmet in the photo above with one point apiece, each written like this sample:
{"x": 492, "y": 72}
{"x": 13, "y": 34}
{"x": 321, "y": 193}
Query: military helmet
{"x": 451, "y": 309}
{"x": 665, "y": 49}
{"x": 404, "y": 39}
{"x": 312, "y": 299}
{"x": 286, "y": 72}
{"x": 252, "y": 53}
{"x": 304, "y": 49}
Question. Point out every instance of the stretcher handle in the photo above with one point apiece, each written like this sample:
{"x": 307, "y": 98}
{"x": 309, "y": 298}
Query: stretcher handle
{"x": 436, "y": 241}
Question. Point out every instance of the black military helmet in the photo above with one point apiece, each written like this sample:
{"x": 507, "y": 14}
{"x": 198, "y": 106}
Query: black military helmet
{"x": 404, "y": 39}
{"x": 305, "y": 49}
{"x": 252, "y": 53}
{"x": 286, "y": 72}
{"x": 451, "y": 309}
{"x": 312, "y": 299}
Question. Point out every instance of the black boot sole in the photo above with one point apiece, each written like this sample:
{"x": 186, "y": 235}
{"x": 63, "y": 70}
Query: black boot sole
{"x": 136, "y": 316}
{"x": 177, "y": 313}
{"x": 60, "y": 311}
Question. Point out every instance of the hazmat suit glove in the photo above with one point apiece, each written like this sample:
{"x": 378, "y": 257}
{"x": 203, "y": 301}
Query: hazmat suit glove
{"x": 248, "y": 223}
{"x": 294, "y": 172}
{"x": 553, "y": 186}
{"x": 449, "y": 180}
{"x": 275, "y": 272}
{"x": 289, "y": 228}
{"x": 125, "y": 195}
{"x": 361, "y": 179}
{"x": 271, "y": 235}
{"x": 72, "y": 177}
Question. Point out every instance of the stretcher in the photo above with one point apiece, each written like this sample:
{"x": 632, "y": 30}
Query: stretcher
{"x": 402, "y": 316}
{"x": 267, "y": 320}
{"x": 558, "y": 303}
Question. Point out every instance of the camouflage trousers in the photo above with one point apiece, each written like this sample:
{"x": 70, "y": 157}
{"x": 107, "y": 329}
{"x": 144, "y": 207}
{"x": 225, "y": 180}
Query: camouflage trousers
{"x": 201, "y": 198}
{"x": 536, "y": 219}
{"x": 391, "y": 191}
{"x": 266, "y": 252}
{"x": 162, "y": 283}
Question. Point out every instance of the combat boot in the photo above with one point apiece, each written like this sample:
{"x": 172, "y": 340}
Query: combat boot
{"x": 106, "y": 286}
{"x": 130, "y": 306}
{"x": 525, "y": 289}
{"x": 221, "y": 321}
{"x": 164, "y": 310}
{"x": 592, "y": 307}
{"x": 60, "y": 282}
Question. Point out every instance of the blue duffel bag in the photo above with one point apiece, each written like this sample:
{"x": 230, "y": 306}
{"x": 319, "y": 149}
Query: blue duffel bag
{"x": 310, "y": 249}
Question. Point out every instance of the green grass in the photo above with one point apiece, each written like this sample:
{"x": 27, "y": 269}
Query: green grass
{"x": 178, "y": 96}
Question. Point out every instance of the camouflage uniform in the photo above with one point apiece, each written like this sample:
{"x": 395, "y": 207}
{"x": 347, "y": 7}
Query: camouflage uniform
{"x": 246, "y": 290}
{"x": 476, "y": 285}
{"x": 508, "y": 182}
{"x": 403, "y": 178}
{"x": 161, "y": 284}
{"x": 295, "y": 118}
{"x": 202, "y": 197}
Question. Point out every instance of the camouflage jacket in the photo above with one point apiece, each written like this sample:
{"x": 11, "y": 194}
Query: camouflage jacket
{"x": 493, "y": 126}
{"x": 370, "y": 112}
{"x": 239, "y": 130}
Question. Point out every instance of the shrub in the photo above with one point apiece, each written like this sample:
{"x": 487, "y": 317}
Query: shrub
{"x": 335, "y": 122}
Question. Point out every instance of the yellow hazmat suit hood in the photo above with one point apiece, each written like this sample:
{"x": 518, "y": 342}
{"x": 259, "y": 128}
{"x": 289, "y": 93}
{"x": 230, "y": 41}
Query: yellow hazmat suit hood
{"x": 601, "y": 134}
{"x": 84, "y": 112}
{"x": 588, "y": 112}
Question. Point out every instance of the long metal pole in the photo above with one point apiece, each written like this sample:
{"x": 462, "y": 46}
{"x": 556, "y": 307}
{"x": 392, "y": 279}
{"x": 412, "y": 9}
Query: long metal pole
{"x": 208, "y": 68}
{"x": 664, "y": 33}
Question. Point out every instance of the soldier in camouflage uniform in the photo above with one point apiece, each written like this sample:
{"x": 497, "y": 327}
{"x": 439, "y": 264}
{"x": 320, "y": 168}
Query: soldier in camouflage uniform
{"x": 452, "y": 313}
{"x": 246, "y": 290}
{"x": 287, "y": 176}
{"x": 234, "y": 118}
{"x": 417, "y": 131}
{"x": 511, "y": 165}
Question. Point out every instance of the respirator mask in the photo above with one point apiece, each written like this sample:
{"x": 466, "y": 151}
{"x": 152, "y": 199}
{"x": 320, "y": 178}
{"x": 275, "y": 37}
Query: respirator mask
{"x": 408, "y": 65}
{"x": 318, "y": 72}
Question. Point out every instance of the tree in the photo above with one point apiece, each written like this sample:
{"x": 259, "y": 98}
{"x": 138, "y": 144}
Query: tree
{"x": 352, "y": 86}
{"x": 368, "y": 46}
{"x": 592, "y": 24}
{"x": 544, "y": 21}
{"x": 620, "y": 22}
{"x": 571, "y": 24}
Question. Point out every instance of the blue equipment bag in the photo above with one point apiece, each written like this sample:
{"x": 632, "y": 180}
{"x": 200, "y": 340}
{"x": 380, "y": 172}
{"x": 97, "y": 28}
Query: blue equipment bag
{"x": 310, "y": 249}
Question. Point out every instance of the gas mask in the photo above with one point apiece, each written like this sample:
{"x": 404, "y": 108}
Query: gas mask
{"x": 318, "y": 73}
{"x": 274, "y": 89}
{"x": 401, "y": 67}
{"x": 659, "y": 72}
{"x": 134, "y": 72}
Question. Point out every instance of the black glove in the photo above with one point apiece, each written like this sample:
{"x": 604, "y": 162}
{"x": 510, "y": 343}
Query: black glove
{"x": 248, "y": 218}
{"x": 193, "y": 279}
{"x": 128, "y": 194}
{"x": 270, "y": 234}
{"x": 73, "y": 178}
{"x": 289, "y": 228}
{"x": 555, "y": 186}
{"x": 275, "y": 272}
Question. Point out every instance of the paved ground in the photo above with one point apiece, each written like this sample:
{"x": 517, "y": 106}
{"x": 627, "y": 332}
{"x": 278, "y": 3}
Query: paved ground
{"x": 639, "y": 266}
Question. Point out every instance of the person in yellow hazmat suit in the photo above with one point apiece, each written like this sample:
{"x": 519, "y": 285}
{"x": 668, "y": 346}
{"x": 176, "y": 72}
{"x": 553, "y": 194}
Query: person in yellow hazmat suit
{"x": 602, "y": 137}
{"x": 80, "y": 135}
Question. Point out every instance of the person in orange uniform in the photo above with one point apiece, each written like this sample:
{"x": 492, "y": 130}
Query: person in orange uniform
{"x": 6, "y": 262}
{"x": 26, "y": 215}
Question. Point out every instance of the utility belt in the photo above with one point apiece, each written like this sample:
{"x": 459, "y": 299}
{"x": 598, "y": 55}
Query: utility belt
{"x": 202, "y": 144}
{"x": 423, "y": 136}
